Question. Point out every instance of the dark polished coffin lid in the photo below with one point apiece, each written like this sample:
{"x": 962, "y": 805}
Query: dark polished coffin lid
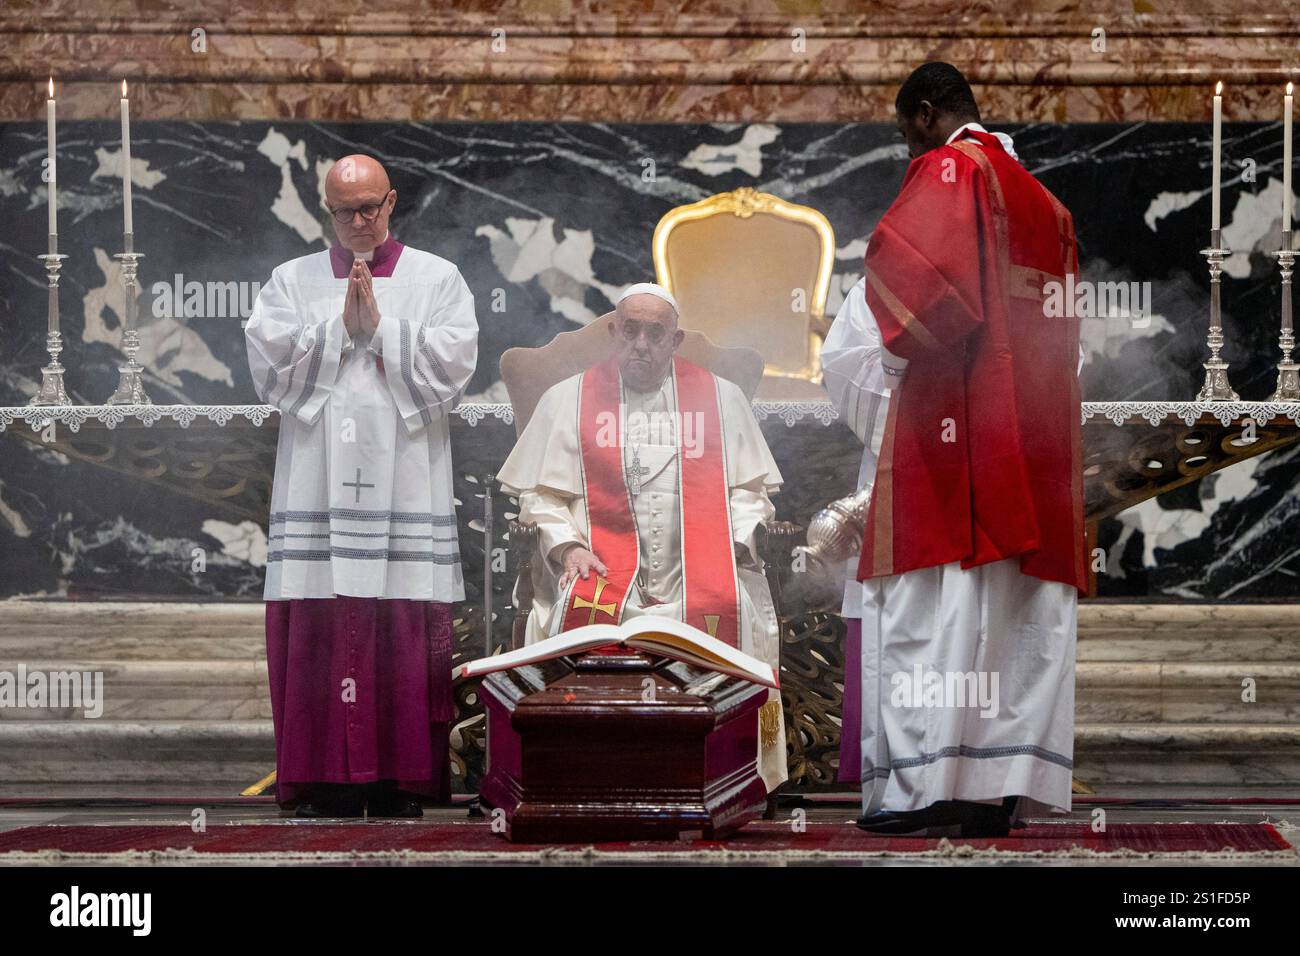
{"x": 623, "y": 746}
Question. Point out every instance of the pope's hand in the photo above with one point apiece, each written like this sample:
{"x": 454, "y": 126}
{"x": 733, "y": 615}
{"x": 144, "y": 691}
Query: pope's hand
{"x": 579, "y": 562}
{"x": 368, "y": 307}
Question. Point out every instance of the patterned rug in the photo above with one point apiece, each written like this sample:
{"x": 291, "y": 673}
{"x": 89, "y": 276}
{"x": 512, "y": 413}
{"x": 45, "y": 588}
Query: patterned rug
{"x": 474, "y": 841}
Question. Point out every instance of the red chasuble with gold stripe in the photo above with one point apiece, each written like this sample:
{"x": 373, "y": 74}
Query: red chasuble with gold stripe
{"x": 711, "y": 601}
{"x": 981, "y": 457}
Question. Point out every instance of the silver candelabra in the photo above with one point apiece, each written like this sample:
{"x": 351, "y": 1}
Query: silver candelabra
{"x": 130, "y": 387}
{"x": 1288, "y": 383}
{"x": 52, "y": 391}
{"x": 1216, "y": 387}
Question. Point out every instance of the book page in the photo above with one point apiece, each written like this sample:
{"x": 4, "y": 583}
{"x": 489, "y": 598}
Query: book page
{"x": 576, "y": 641}
{"x": 676, "y": 639}
{"x": 664, "y": 636}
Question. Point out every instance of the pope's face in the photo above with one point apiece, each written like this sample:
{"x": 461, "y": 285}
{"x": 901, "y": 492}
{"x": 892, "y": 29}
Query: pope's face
{"x": 645, "y": 328}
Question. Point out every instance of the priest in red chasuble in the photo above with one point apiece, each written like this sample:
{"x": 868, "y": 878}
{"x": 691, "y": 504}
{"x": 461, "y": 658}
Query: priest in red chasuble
{"x": 647, "y": 477}
{"x": 973, "y": 555}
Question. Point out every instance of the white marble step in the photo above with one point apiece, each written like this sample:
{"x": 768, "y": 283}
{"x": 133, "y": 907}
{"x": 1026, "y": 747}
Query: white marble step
{"x": 1158, "y": 696}
{"x": 113, "y": 631}
{"x": 226, "y": 754}
{"x": 1108, "y": 692}
{"x": 1189, "y": 755}
{"x": 158, "y": 690}
{"x": 88, "y": 630}
{"x": 234, "y": 753}
{"x": 1189, "y": 632}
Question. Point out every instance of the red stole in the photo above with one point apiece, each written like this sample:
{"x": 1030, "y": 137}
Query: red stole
{"x": 711, "y": 599}
{"x": 981, "y": 457}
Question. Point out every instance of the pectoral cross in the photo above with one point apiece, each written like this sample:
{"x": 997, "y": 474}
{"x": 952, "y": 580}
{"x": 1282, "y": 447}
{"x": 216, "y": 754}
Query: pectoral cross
{"x": 358, "y": 485}
{"x": 595, "y": 605}
{"x": 635, "y": 472}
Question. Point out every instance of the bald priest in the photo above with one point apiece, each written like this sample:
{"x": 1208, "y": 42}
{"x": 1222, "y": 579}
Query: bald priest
{"x": 365, "y": 349}
{"x": 647, "y": 478}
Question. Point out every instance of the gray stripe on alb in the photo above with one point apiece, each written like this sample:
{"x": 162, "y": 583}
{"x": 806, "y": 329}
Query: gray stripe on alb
{"x": 427, "y": 351}
{"x": 353, "y": 514}
{"x": 983, "y": 753}
{"x": 313, "y": 369}
{"x": 273, "y": 371}
{"x": 391, "y": 537}
{"x": 360, "y": 555}
{"x": 281, "y": 536}
{"x": 404, "y": 338}
{"x": 405, "y": 517}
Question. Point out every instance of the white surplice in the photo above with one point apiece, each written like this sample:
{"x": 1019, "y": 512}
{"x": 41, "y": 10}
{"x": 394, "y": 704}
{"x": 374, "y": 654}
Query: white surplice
{"x": 362, "y": 503}
{"x": 978, "y": 623}
{"x": 854, "y": 375}
{"x": 544, "y": 471}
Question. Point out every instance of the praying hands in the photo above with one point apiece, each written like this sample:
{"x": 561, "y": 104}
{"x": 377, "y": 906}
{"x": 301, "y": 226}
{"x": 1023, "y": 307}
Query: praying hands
{"x": 360, "y": 310}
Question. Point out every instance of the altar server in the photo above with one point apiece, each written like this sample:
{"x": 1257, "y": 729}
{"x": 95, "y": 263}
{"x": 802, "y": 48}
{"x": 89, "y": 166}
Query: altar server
{"x": 973, "y": 555}
{"x": 365, "y": 349}
{"x": 648, "y": 477}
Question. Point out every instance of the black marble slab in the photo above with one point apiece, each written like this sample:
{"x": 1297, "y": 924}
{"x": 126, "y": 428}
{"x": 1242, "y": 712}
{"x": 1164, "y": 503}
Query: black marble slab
{"x": 547, "y": 222}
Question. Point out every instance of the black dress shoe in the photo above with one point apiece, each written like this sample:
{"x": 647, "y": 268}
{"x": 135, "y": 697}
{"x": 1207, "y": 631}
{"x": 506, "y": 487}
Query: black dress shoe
{"x": 983, "y": 819}
{"x": 941, "y": 816}
{"x": 333, "y": 800}
{"x": 383, "y": 799}
{"x": 875, "y": 817}
{"x": 945, "y": 818}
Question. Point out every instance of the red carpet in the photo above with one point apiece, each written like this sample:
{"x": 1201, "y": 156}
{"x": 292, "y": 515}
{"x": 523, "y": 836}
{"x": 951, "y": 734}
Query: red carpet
{"x": 469, "y": 840}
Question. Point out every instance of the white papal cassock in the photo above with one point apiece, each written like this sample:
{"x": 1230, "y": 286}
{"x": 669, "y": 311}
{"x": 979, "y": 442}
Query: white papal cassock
{"x": 362, "y": 499}
{"x": 989, "y": 620}
{"x": 545, "y": 472}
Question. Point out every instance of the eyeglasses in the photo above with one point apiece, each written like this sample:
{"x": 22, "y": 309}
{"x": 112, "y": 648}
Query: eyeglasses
{"x": 632, "y": 330}
{"x": 369, "y": 212}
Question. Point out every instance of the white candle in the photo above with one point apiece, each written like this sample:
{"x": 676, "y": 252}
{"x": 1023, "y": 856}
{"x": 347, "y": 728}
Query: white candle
{"x": 1286, "y": 161}
{"x": 1218, "y": 155}
{"x": 50, "y": 149}
{"x": 126, "y": 162}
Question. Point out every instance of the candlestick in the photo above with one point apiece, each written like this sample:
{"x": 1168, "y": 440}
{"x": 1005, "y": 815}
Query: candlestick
{"x": 52, "y": 391}
{"x": 1217, "y": 160}
{"x": 1288, "y": 372}
{"x": 127, "y": 225}
{"x": 1286, "y": 166}
{"x": 130, "y": 385}
{"x": 1216, "y": 387}
{"x": 51, "y": 152}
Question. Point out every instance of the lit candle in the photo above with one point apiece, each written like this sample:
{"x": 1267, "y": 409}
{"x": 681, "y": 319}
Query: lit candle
{"x": 1286, "y": 161}
{"x": 50, "y": 149}
{"x": 1218, "y": 155}
{"x": 126, "y": 162}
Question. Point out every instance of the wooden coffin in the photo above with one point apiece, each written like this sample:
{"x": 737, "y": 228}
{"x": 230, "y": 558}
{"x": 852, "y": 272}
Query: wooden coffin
{"x": 626, "y": 746}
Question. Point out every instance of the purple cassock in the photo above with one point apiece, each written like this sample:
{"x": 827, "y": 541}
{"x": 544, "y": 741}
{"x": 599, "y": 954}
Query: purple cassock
{"x": 850, "y": 770}
{"x": 360, "y": 691}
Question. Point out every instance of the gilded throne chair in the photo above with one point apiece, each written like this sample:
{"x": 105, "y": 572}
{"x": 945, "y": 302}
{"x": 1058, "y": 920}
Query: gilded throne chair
{"x": 751, "y": 270}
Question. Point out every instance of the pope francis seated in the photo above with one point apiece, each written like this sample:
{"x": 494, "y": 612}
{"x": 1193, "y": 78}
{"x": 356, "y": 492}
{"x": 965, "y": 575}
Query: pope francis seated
{"x": 647, "y": 478}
